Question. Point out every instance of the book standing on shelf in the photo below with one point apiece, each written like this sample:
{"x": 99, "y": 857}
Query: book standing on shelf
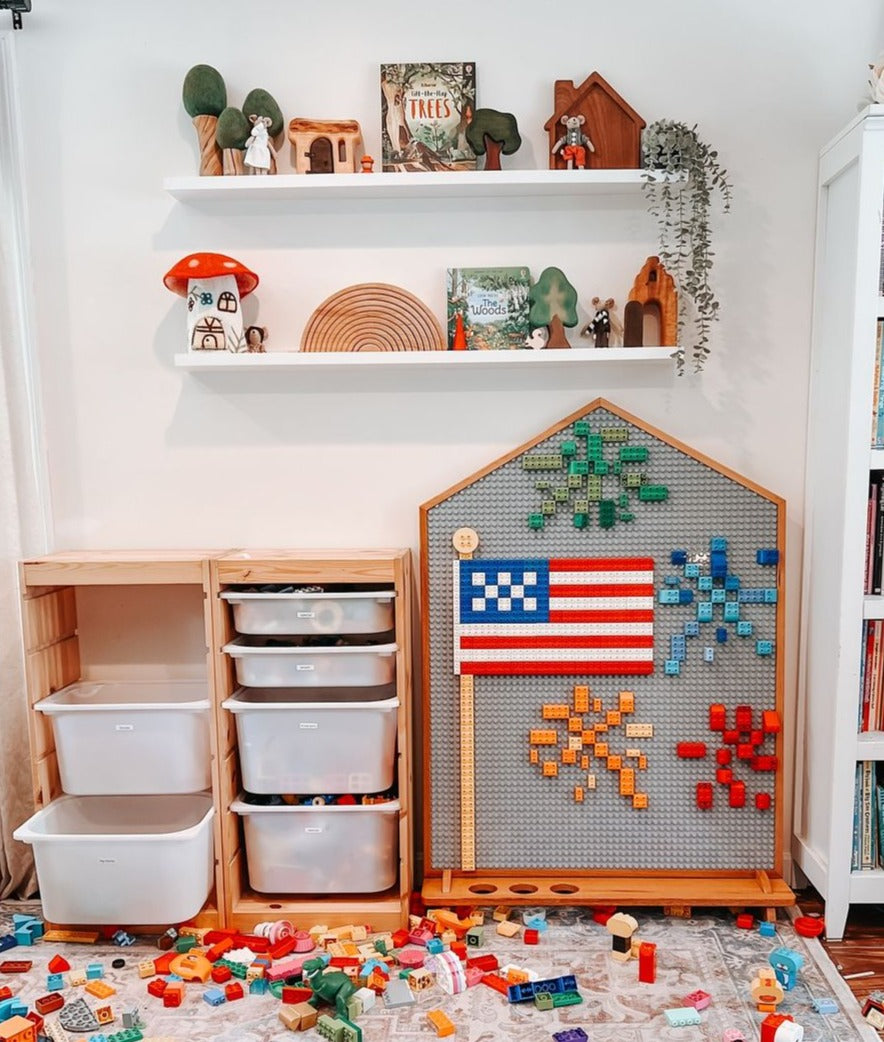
{"x": 878, "y": 390}
{"x": 857, "y": 798}
{"x": 426, "y": 108}
{"x": 489, "y": 308}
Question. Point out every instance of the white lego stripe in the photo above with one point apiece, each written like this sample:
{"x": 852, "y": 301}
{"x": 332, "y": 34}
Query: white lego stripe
{"x": 557, "y": 654}
{"x": 559, "y": 629}
{"x": 601, "y": 603}
{"x": 594, "y": 578}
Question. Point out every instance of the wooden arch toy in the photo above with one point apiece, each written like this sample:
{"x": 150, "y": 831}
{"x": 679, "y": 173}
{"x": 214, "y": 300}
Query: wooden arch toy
{"x": 373, "y": 316}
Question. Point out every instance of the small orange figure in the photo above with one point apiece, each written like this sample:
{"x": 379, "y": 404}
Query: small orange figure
{"x": 367, "y": 164}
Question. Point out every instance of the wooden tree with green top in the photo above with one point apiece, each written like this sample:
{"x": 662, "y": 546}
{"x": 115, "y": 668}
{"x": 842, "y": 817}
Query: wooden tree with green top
{"x": 491, "y": 132}
{"x": 553, "y": 304}
{"x": 205, "y": 96}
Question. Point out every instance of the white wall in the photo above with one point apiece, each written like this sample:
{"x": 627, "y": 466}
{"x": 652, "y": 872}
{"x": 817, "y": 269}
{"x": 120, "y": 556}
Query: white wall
{"x": 142, "y": 454}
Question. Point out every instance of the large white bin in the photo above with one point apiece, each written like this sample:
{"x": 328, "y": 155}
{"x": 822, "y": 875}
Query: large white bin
{"x": 131, "y": 738}
{"x": 264, "y": 662}
{"x": 118, "y": 860}
{"x": 321, "y": 850}
{"x": 306, "y": 746}
{"x": 278, "y": 612}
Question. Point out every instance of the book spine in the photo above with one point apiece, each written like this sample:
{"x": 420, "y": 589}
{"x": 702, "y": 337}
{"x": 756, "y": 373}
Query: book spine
{"x": 871, "y": 513}
{"x": 854, "y": 855}
{"x": 866, "y": 818}
{"x": 879, "y": 537}
{"x": 876, "y": 391}
{"x": 875, "y": 678}
{"x": 879, "y": 807}
{"x": 865, "y": 677}
{"x": 878, "y": 436}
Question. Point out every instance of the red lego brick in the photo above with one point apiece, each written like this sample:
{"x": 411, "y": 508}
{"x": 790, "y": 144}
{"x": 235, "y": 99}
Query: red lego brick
{"x": 35, "y": 1019}
{"x": 58, "y": 964}
{"x": 756, "y": 737}
{"x": 218, "y": 949}
{"x": 233, "y": 991}
{"x": 704, "y": 797}
{"x": 285, "y": 947}
{"x": 497, "y": 982}
{"x": 172, "y": 998}
{"x": 459, "y": 949}
{"x": 214, "y": 936}
{"x": 163, "y": 963}
{"x": 49, "y": 1003}
{"x": 221, "y": 974}
{"x": 400, "y": 937}
{"x": 724, "y": 775}
{"x": 16, "y": 966}
{"x": 156, "y": 987}
{"x": 717, "y": 717}
{"x": 602, "y": 913}
{"x": 737, "y": 794}
{"x": 340, "y": 961}
{"x": 730, "y": 737}
{"x": 770, "y": 721}
{"x": 770, "y": 1024}
{"x": 745, "y": 751}
{"x": 259, "y": 945}
{"x": 745, "y": 921}
{"x": 292, "y": 995}
{"x": 531, "y": 936}
{"x": 762, "y": 801}
{"x": 764, "y": 763}
{"x": 647, "y": 962}
{"x": 743, "y": 718}
{"x": 486, "y": 962}
{"x": 691, "y": 750}
{"x": 5, "y": 993}
{"x": 723, "y": 757}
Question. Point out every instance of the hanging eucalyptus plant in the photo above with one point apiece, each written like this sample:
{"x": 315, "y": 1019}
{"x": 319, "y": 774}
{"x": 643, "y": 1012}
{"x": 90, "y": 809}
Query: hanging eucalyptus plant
{"x": 681, "y": 201}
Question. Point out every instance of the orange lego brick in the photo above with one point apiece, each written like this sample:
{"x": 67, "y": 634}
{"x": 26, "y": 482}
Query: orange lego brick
{"x": 440, "y": 1023}
{"x": 770, "y": 721}
{"x": 587, "y": 737}
{"x": 541, "y": 737}
{"x": 596, "y": 705}
{"x": 590, "y": 781}
{"x": 550, "y": 769}
{"x": 578, "y": 793}
{"x": 640, "y": 801}
{"x": 643, "y": 763}
{"x": 533, "y": 756}
{"x": 600, "y": 749}
{"x": 627, "y": 782}
{"x": 626, "y": 701}
{"x": 581, "y": 698}
{"x": 615, "y": 763}
{"x": 639, "y": 730}
{"x": 612, "y": 717}
{"x": 514, "y": 976}
{"x": 555, "y": 711}
{"x": 575, "y": 724}
{"x": 584, "y": 763}
{"x": 99, "y": 989}
{"x": 569, "y": 756}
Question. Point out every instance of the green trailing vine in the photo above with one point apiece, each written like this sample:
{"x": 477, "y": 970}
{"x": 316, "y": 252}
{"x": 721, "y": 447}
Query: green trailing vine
{"x": 681, "y": 202}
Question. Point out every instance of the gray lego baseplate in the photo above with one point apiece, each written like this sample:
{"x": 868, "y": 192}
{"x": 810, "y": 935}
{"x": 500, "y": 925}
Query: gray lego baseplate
{"x": 526, "y": 820}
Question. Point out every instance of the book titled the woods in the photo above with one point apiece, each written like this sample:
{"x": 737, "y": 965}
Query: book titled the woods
{"x": 425, "y": 110}
{"x": 488, "y": 308}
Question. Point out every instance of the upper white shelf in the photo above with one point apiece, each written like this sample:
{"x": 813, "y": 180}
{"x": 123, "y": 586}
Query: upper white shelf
{"x": 209, "y": 361}
{"x": 432, "y": 184}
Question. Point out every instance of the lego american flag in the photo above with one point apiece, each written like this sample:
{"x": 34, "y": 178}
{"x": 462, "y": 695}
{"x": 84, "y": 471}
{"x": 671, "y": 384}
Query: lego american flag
{"x": 547, "y": 616}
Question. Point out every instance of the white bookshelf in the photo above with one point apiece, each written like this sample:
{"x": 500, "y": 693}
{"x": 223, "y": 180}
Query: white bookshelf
{"x": 847, "y": 305}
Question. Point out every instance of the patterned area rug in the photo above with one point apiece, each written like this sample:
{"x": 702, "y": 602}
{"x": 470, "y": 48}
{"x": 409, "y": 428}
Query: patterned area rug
{"x": 707, "y": 952}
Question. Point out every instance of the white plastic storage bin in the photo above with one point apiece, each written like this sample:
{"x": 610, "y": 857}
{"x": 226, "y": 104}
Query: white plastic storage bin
{"x": 131, "y": 739}
{"x": 265, "y": 662}
{"x": 305, "y": 746}
{"x": 275, "y": 611}
{"x": 122, "y": 860}
{"x": 321, "y": 850}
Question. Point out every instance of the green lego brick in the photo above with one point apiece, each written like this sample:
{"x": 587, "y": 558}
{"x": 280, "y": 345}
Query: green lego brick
{"x": 633, "y": 453}
{"x": 607, "y": 513}
{"x": 568, "y": 448}
{"x": 653, "y": 493}
{"x": 535, "y": 521}
{"x": 614, "y": 434}
{"x": 578, "y": 466}
{"x": 600, "y": 466}
{"x": 626, "y": 516}
{"x": 543, "y": 461}
{"x": 548, "y": 507}
{"x": 581, "y": 520}
{"x": 567, "y": 998}
{"x": 581, "y": 429}
{"x": 543, "y": 1000}
{"x": 576, "y": 481}
{"x": 633, "y": 478}
{"x": 560, "y": 495}
{"x": 543, "y": 484}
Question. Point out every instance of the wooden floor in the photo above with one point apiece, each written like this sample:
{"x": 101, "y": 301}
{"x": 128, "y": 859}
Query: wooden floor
{"x": 861, "y": 950}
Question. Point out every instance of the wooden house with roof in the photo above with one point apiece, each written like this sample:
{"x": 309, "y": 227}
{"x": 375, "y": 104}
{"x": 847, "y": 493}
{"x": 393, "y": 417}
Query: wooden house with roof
{"x": 613, "y": 126}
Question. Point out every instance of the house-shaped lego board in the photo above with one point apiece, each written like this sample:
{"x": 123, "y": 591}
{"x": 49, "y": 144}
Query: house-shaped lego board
{"x": 602, "y": 638}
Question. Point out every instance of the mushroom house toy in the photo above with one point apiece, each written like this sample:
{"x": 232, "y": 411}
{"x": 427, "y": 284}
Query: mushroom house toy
{"x": 213, "y": 286}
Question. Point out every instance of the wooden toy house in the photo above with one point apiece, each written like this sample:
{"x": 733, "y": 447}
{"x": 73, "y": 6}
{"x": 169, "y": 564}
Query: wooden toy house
{"x": 613, "y": 126}
{"x": 324, "y": 146}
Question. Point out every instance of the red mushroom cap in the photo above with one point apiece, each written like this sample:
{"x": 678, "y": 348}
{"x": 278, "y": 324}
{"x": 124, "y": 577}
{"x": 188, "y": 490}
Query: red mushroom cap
{"x": 208, "y": 266}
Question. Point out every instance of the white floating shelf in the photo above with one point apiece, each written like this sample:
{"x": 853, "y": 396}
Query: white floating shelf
{"x": 213, "y": 361}
{"x": 870, "y": 745}
{"x": 432, "y": 184}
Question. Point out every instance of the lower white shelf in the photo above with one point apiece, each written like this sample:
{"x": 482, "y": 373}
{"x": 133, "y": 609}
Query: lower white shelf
{"x": 468, "y": 360}
{"x": 867, "y": 887}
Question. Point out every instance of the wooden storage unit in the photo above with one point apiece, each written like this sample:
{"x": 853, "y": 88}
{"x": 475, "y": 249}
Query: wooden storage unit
{"x": 150, "y": 615}
{"x": 392, "y": 568}
{"x": 848, "y": 305}
{"x": 111, "y": 615}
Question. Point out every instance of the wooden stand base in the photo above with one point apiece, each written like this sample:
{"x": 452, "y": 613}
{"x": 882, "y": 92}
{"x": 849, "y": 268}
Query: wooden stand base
{"x": 756, "y": 890}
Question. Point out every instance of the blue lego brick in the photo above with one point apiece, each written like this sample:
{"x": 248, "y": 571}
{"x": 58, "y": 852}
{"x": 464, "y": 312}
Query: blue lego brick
{"x": 54, "y": 982}
{"x": 825, "y": 1005}
{"x": 750, "y": 595}
{"x": 717, "y": 542}
{"x": 732, "y": 582}
{"x": 678, "y": 557}
{"x": 704, "y": 611}
{"x": 731, "y": 611}
{"x": 704, "y": 582}
{"x": 434, "y": 946}
{"x": 770, "y": 596}
{"x": 763, "y": 647}
{"x": 685, "y": 596}
{"x": 214, "y": 997}
{"x": 7, "y": 941}
{"x": 677, "y": 646}
{"x": 767, "y": 929}
{"x": 672, "y": 580}
{"x": 668, "y": 596}
{"x": 767, "y": 556}
{"x": 692, "y": 570}
{"x": 720, "y": 635}
{"x": 672, "y": 667}
{"x": 708, "y": 654}
{"x": 571, "y": 1035}
{"x": 718, "y": 596}
{"x": 683, "y": 1017}
{"x": 258, "y": 986}
{"x": 692, "y": 628}
{"x": 744, "y": 628}
{"x": 718, "y": 565}
{"x": 94, "y": 971}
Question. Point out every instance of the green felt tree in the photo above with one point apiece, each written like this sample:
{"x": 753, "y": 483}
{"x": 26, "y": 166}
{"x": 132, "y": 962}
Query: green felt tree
{"x": 260, "y": 102}
{"x": 205, "y": 95}
{"x": 231, "y": 133}
{"x": 553, "y": 303}
{"x": 491, "y": 132}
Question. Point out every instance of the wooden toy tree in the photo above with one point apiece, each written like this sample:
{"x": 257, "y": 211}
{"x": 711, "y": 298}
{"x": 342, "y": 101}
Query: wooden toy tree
{"x": 205, "y": 96}
{"x": 491, "y": 133}
{"x": 554, "y": 305}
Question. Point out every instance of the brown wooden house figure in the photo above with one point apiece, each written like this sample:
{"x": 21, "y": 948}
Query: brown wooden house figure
{"x": 650, "y": 317}
{"x": 613, "y": 126}
{"x": 324, "y": 146}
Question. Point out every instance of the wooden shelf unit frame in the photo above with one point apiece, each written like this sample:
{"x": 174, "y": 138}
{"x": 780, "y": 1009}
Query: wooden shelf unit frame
{"x": 52, "y": 643}
{"x": 245, "y": 907}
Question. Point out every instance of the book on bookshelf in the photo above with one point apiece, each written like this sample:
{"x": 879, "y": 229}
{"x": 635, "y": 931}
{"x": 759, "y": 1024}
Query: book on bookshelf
{"x": 857, "y": 798}
{"x": 878, "y": 389}
{"x": 426, "y": 108}
{"x": 878, "y": 535}
{"x": 868, "y": 842}
{"x": 879, "y": 810}
{"x": 488, "y": 308}
{"x": 871, "y": 528}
